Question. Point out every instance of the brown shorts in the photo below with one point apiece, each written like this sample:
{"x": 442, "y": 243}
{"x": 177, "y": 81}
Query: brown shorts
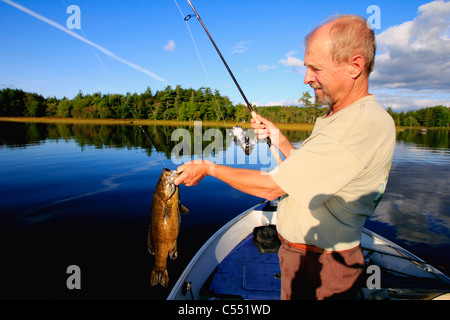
{"x": 319, "y": 275}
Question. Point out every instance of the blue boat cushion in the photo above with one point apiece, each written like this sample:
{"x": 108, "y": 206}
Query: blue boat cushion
{"x": 254, "y": 272}
{"x": 245, "y": 273}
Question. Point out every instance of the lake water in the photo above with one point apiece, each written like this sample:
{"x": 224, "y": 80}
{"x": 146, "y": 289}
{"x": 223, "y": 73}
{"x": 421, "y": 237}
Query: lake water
{"x": 81, "y": 194}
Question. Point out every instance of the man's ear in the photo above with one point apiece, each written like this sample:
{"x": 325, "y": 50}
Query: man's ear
{"x": 356, "y": 66}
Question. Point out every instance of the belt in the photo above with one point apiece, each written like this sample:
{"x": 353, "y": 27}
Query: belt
{"x": 301, "y": 246}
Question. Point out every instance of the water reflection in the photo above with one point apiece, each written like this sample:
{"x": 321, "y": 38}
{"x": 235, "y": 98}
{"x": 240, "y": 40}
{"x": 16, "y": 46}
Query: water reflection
{"x": 431, "y": 138}
{"x": 416, "y": 202}
{"x": 21, "y": 135}
{"x": 15, "y": 134}
{"x": 156, "y": 137}
{"x": 415, "y": 210}
{"x": 48, "y": 208}
{"x": 415, "y": 146}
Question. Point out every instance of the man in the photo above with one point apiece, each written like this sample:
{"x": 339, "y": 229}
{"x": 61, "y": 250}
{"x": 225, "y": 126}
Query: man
{"x": 337, "y": 177}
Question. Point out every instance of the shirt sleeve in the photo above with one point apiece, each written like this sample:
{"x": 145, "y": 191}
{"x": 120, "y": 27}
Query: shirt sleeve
{"x": 320, "y": 168}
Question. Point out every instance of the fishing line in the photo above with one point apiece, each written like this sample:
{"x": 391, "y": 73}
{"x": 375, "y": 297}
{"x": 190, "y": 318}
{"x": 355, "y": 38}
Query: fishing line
{"x": 125, "y": 100}
{"x": 201, "y": 60}
{"x": 95, "y": 52}
{"x": 77, "y": 36}
{"x": 240, "y": 136}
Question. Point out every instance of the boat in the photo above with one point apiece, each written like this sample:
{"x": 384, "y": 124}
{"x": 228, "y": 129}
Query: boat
{"x": 232, "y": 265}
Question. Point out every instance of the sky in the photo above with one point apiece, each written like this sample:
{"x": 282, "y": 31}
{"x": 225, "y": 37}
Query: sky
{"x": 59, "y": 47}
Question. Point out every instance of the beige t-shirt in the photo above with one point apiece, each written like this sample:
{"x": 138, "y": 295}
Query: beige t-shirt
{"x": 337, "y": 177}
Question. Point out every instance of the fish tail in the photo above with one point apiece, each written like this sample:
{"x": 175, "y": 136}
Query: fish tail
{"x": 161, "y": 277}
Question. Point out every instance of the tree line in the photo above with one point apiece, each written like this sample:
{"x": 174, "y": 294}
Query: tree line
{"x": 438, "y": 116}
{"x": 184, "y": 105}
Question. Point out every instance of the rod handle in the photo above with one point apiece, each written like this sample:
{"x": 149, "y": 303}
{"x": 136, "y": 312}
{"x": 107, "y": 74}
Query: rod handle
{"x": 273, "y": 149}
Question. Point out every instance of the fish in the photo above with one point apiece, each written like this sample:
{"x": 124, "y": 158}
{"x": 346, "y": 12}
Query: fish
{"x": 164, "y": 225}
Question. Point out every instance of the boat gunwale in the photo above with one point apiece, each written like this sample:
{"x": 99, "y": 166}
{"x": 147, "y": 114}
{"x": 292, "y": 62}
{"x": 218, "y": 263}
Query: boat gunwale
{"x": 405, "y": 254}
{"x": 181, "y": 280}
{"x": 402, "y": 253}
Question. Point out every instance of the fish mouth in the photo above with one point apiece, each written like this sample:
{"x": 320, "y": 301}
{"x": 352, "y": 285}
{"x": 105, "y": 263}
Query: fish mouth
{"x": 171, "y": 175}
{"x": 170, "y": 187}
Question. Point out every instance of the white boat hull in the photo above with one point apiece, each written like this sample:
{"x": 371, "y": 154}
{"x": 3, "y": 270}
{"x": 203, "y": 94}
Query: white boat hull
{"x": 377, "y": 251}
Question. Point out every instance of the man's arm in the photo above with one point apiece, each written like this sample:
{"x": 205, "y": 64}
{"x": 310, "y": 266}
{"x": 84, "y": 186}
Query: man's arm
{"x": 254, "y": 182}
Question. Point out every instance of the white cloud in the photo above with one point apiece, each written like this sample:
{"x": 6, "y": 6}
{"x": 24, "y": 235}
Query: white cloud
{"x": 240, "y": 47}
{"x": 408, "y": 100}
{"x": 291, "y": 61}
{"x": 265, "y": 67}
{"x": 170, "y": 46}
{"x": 284, "y": 103}
{"x": 415, "y": 54}
{"x": 278, "y": 103}
{"x": 28, "y": 81}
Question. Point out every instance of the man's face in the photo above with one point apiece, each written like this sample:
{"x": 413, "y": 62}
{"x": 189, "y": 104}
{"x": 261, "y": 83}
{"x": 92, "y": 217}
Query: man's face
{"x": 322, "y": 74}
{"x": 323, "y": 97}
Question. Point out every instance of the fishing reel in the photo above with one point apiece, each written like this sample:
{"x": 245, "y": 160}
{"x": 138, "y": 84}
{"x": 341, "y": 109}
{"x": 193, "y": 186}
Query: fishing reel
{"x": 241, "y": 139}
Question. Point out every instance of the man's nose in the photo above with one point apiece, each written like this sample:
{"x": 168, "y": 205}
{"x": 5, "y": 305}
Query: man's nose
{"x": 309, "y": 78}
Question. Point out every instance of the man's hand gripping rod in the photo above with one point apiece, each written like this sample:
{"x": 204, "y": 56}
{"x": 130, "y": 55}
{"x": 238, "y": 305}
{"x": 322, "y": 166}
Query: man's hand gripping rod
{"x": 273, "y": 149}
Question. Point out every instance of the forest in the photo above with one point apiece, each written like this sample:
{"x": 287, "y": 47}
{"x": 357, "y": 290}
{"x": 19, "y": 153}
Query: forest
{"x": 183, "y": 104}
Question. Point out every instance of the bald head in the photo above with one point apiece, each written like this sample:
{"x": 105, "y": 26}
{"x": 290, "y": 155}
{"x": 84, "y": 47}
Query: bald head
{"x": 346, "y": 36}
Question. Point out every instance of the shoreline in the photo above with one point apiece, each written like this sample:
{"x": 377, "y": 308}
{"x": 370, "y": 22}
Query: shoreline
{"x": 147, "y": 122}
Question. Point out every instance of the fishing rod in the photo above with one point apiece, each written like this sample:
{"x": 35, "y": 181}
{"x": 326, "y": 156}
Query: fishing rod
{"x": 240, "y": 136}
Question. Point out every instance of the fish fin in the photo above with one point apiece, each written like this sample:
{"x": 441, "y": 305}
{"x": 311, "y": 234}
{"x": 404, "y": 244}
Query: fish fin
{"x": 159, "y": 277}
{"x": 173, "y": 254}
{"x": 150, "y": 241}
{"x": 183, "y": 209}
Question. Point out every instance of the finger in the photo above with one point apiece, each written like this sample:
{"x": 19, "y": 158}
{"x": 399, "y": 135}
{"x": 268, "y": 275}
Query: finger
{"x": 181, "y": 168}
{"x": 178, "y": 180}
{"x": 262, "y": 136}
{"x": 260, "y": 119}
{"x": 256, "y": 126}
{"x": 260, "y": 131}
{"x": 266, "y": 122}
